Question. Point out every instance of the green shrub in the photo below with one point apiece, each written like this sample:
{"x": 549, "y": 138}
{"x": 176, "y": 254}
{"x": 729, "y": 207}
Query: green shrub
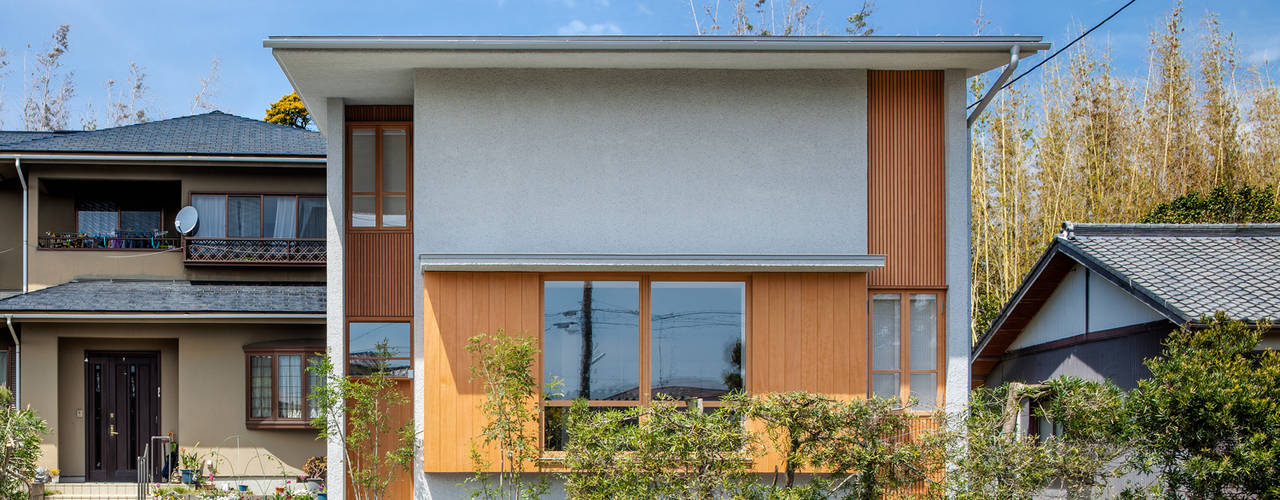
{"x": 20, "y": 431}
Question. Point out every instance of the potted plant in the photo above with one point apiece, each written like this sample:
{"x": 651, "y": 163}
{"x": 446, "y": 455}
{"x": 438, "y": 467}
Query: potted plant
{"x": 323, "y": 494}
{"x": 316, "y": 470}
{"x": 189, "y": 463}
{"x": 53, "y": 475}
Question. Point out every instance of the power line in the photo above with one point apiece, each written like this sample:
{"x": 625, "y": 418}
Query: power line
{"x": 1065, "y": 47}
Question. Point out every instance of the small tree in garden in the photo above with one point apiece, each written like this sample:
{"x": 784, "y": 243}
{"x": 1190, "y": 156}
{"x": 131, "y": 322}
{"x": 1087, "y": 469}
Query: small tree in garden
{"x": 358, "y": 412}
{"x": 990, "y": 458}
{"x": 504, "y": 365}
{"x": 20, "y": 431}
{"x": 1210, "y": 413}
{"x": 863, "y": 447}
{"x": 661, "y": 450}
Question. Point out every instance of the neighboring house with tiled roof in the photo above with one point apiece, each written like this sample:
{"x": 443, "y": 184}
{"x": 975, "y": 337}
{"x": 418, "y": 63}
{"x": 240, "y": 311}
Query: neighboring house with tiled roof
{"x": 108, "y": 309}
{"x": 1103, "y": 297}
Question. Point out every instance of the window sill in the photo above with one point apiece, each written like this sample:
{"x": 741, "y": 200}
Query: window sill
{"x": 278, "y": 424}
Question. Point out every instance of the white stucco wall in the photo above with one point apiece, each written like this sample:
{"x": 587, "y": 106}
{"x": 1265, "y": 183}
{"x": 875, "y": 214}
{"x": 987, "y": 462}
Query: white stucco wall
{"x": 957, "y": 233}
{"x": 1063, "y": 314}
{"x": 640, "y": 161}
{"x": 335, "y": 231}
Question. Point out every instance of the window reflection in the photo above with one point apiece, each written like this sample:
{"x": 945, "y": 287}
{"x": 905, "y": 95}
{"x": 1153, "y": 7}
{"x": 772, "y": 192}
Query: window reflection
{"x": 697, "y": 330}
{"x": 592, "y": 335}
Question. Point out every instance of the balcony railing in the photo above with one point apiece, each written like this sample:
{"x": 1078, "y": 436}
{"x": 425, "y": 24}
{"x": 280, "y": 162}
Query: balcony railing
{"x": 255, "y": 251}
{"x": 122, "y": 241}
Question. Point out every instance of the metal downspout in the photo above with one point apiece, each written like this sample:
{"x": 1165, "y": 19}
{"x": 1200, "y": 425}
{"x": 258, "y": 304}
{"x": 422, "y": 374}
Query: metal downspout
{"x": 17, "y": 359}
{"x": 1014, "y": 53}
{"x": 17, "y": 164}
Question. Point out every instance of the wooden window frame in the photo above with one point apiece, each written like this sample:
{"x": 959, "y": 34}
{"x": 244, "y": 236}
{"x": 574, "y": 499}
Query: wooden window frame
{"x": 262, "y": 198}
{"x": 119, "y": 218}
{"x": 274, "y": 353}
{"x": 346, "y": 341}
{"x": 378, "y": 193}
{"x": 644, "y": 283}
{"x": 904, "y": 370}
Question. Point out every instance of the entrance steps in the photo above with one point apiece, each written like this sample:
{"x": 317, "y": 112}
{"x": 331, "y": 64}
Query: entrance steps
{"x": 95, "y": 491}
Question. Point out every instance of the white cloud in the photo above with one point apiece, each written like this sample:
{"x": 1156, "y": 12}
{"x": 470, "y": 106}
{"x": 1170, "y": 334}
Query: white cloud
{"x": 577, "y": 27}
{"x": 644, "y": 9}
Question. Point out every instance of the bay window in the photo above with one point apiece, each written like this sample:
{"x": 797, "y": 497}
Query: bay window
{"x": 627, "y": 342}
{"x": 905, "y": 353}
{"x": 279, "y": 384}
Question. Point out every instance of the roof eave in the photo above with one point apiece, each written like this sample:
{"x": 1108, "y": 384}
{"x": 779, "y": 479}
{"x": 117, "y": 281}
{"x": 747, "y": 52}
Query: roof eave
{"x": 662, "y": 43}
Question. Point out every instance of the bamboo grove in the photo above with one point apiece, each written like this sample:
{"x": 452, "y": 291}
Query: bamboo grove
{"x": 1089, "y": 145}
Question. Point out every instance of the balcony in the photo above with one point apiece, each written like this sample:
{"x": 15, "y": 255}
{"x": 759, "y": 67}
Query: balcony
{"x": 122, "y": 241}
{"x": 301, "y": 252}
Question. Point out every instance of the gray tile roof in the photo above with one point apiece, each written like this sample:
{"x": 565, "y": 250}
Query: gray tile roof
{"x": 213, "y": 133}
{"x": 1193, "y": 269}
{"x": 15, "y": 136}
{"x": 171, "y": 296}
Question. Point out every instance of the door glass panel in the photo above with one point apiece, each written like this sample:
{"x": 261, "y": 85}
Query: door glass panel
{"x": 393, "y": 160}
{"x": 279, "y": 216}
{"x": 924, "y": 387}
{"x": 289, "y": 377}
{"x": 244, "y": 217}
{"x": 885, "y": 385}
{"x": 393, "y": 210}
{"x": 697, "y": 330}
{"x": 885, "y": 331}
{"x": 924, "y": 331}
{"x": 260, "y": 386}
{"x": 363, "y": 155}
{"x": 591, "y": 337}
{"x": 211, "y": 212}
{"x": 310, "y": 217}
{"x": 364, "y": 211}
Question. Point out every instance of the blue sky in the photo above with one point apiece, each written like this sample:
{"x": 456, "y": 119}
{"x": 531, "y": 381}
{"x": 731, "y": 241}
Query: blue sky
{"x": 175, "y": 40}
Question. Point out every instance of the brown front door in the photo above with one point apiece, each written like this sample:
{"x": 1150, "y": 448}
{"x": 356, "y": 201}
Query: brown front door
{"x": 122, "y": 412}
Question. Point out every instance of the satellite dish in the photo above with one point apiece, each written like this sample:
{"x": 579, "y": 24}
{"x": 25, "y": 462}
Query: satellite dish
{"x": 186, "y": 220}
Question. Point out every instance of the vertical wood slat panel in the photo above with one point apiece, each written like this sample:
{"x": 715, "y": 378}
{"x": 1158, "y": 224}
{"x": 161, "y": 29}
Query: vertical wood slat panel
{"x": 457, "y": 306}
{"x": 906, "y": 178}
{"x": 379, "y": 274}
{"x": 808, "y": 333}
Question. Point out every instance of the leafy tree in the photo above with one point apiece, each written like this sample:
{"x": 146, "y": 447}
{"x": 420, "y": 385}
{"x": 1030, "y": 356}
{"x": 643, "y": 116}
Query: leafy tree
{"x": 991, "y": 459}
{"x": 1209, "y": 414}
{"x": 20, "y": 431}
{"x": 505, "y": 368}
{"x": 1221, "y": 205}
{"x": 657, "y": 451}
{"x": 46, "y": 102}
{"x": 861, "y": 447}
{"x": 290, "y": 111}
{"x": 357, "y": 411}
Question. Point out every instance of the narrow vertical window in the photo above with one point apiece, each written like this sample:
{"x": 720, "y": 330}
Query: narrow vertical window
{"x": 379, "y": 165}
{"x": 314, "y": 380}
{"x": 886, "y": 356}
{"x": 394, "y": 185}
{"x": 260, "y": 386}
{"x": 289, "y": 392}
{"x": 904, "y": 348}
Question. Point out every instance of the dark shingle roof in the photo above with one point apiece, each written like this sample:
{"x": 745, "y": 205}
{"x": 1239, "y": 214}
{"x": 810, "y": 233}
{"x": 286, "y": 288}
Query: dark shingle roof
{"x": 8, "y": 137}
{"x": 1192, "y": 269}
{"x": 171, "y": 296}
{"x": 213, "y": 133}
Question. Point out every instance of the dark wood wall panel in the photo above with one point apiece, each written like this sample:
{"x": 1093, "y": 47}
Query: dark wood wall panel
{"x": 379, "y": 274}
{"x": 906, "y": 178}
{"x": 380, "y": 113}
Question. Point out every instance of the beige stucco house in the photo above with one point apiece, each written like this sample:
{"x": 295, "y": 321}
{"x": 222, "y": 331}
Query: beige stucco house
{"x": 117, "y": 328}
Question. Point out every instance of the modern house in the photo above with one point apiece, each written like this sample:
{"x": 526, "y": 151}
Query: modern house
{"x": 118, "y": 328}
{"x": 680, "y": 216}
{"x": 1103, "y": 297}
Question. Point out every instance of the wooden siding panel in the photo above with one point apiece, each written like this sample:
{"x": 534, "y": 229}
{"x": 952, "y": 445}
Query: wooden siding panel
{"x": 379, "y": 274}
{"x": 808, "y": 332}
{"x": 906, "y": 178}
{"x": 461, "y": 305}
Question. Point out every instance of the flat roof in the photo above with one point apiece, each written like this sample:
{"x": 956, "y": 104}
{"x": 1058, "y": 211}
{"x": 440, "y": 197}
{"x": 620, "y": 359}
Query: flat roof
{"x": 379, "y": 69}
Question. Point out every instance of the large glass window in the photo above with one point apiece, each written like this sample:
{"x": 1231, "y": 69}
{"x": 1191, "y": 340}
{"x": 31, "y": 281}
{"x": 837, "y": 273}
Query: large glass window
{"x": 259, "y": 216}
{"x": 279, "y": 384}
{"x": 624, "y": 343}
{"x": 116, "y": 218}
{"x": 904, "y": 347}
{"x": 379, "y": 345}
{"x": 379, "y": 178}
